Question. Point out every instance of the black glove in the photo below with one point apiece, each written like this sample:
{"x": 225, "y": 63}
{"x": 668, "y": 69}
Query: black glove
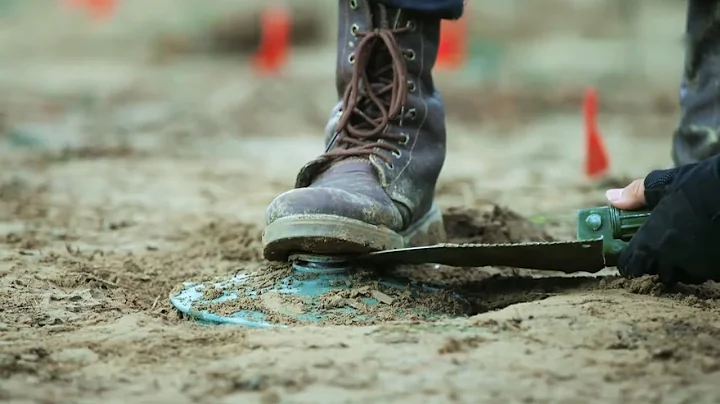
{"x": 680, "y": 241}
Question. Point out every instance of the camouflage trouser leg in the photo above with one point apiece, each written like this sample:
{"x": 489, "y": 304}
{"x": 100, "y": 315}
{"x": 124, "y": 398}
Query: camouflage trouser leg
{"x": 697, "y": 136}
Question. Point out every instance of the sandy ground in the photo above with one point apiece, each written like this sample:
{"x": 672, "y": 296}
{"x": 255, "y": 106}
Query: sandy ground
{"x": 109, "y": 202}
{"x": 119, "y": 180}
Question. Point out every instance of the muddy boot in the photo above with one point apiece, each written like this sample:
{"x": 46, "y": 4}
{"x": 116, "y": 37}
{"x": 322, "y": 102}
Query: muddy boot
{"x": 698, "y": 136}
{"x": 373, "y": 188}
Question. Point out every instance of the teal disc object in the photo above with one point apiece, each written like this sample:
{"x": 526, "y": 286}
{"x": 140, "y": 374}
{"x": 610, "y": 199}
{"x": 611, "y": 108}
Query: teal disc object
{"x": 300, "y": 297}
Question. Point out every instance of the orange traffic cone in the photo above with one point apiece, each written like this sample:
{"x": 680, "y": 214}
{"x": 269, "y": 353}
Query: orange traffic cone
{"x": 452, "y": 50}
{"x": 597, "y": 161}
{"x": 272, "y": 54}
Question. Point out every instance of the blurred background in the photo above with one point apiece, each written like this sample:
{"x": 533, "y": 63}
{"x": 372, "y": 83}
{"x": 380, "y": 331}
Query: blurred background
{"x": 540, "y": 44}
{"x": 182, "y": 66}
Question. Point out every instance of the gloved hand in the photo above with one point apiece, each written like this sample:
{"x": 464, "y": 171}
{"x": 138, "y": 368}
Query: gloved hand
{"x": 680, "y": 241}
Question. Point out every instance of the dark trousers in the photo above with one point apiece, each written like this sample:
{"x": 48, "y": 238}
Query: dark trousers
{"x": 446, "y": 9}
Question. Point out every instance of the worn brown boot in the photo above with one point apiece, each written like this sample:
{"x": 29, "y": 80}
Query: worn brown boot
{"x": 385, "y": 145}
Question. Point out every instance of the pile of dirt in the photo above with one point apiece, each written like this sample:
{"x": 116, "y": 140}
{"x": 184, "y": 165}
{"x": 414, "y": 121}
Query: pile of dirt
{"x": 490, "y": 224}
{"x": 487, "y": 223}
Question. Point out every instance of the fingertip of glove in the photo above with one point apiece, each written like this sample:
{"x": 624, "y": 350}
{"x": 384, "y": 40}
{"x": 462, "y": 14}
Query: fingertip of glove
{"x": 656, "y": 185}
{"x": 636, "y": 263}
{"x": 660, "y": 178}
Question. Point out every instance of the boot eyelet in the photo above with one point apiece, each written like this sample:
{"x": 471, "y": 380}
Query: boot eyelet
{"x": 409, "y": 54}
{"x": 351, "y": 58}
{"x": 353, "y": 4}
{"x": 411, "y": 86}
{"x": 405, "y": 140}
{"x": 397, "y": 154}
{"x": 354, "y": 29}
{"x": 389, "y": 165}
{"x": 411, "y": 25}
{"x": 411, "y": 114}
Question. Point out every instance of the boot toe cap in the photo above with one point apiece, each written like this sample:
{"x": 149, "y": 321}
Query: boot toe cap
{"x": 336, "y": 202}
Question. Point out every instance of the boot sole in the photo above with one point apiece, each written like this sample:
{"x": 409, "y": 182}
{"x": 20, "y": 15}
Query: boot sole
{"x": 336, "y": 235}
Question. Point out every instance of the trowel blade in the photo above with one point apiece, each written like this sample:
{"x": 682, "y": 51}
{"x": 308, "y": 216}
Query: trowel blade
{"x": 562, "y": 256}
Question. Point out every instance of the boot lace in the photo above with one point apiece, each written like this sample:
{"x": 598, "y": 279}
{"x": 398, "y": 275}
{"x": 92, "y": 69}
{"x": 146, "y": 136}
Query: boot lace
{"x": 375, "y": 96}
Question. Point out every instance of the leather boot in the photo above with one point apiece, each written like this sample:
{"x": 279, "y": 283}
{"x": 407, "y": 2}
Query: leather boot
{"x": 373, "y": 188}
{"x": 697, "y": 136}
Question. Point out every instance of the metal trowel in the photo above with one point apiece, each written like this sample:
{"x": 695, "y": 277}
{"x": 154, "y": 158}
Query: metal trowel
{"x": 602, "y": 233}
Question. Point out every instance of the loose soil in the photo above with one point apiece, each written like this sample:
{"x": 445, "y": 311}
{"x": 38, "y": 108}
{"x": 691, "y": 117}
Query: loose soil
{"x": 116, "y": 189}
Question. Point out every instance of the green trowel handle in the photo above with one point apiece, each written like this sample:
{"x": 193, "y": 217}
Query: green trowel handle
{"x": 614, "y": 226}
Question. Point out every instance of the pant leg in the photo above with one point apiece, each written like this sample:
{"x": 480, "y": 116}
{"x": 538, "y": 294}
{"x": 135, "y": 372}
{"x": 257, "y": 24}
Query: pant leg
{"x": 445, "y": 9}
{"x": 700, "y": 14}
{"x": 697, "y": 136}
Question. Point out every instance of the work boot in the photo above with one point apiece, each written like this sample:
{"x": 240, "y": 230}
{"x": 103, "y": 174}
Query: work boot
{"x": 373, "y": 187}
{"x": 697, "y": 136}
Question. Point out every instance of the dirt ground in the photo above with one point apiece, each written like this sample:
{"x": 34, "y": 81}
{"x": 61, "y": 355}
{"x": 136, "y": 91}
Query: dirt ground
{"x": 120, "y": 179}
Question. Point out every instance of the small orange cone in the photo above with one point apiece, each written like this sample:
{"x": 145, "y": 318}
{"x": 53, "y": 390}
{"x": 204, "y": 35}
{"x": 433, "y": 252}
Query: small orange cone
{"x": 272, "y": 54}
{"x": 452, "y": 49}
{"x": 597, "y": 161}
